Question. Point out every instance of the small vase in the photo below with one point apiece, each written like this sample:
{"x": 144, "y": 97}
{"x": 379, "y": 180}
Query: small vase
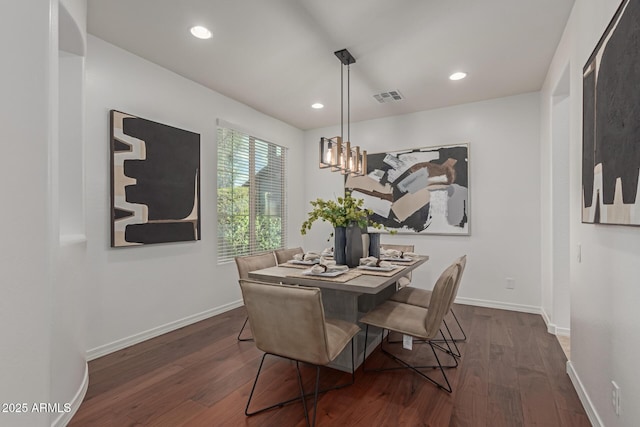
{"x": 353, "y": 249}
{"x": 374, "y": 244}
{"x": 340, "y": 241}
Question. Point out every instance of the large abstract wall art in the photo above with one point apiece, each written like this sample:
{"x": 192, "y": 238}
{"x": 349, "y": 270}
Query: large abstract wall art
{"x": 424, "y": 190}
{"x": 155, "y": 182}
{"x": 611, "y": 123}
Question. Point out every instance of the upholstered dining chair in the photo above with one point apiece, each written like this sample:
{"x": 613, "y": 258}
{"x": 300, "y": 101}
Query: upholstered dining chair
{"x": 419, "y": 322}
{"x": 404, "y": 280}
{"x": 249, "y": 263}
{"x": 284, "y": 255}
{"x": 289, "y": 322}
{"x": 422, "y": 298}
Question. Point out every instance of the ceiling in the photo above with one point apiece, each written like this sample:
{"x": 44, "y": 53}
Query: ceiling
{"x": 277, "y": 55}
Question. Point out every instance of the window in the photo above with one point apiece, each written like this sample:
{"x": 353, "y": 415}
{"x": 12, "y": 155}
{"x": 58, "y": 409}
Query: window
{"x": 251, "y": 195}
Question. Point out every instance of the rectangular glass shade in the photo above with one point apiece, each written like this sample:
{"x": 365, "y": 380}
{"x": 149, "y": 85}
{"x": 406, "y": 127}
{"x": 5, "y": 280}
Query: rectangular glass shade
{"x": 343, "y": 162}
{"x": 330, "y": 152}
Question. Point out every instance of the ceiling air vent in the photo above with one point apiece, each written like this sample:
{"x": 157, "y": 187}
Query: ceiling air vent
{"x": 391, "y": 96}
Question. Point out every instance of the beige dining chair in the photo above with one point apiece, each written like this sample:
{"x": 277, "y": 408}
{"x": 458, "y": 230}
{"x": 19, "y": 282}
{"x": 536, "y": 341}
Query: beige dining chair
{"x": 248, "y": 263}
{"x": 284, "y": 255}
{"x": 420, "y": 323}
{"x": 404, "y": 280}
{"x": 289, "y": 322}
{"x": 422, "y": 298}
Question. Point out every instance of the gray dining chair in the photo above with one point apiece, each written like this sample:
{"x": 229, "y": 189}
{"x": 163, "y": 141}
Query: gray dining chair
{"x": 422, "y": 298}
{"x": 289, "y": 322}
{"x": 404, "y": 280}
{"x": 284, "y": 255}
{"x": 248, "y": 263}
{"x": 420, "y": 323}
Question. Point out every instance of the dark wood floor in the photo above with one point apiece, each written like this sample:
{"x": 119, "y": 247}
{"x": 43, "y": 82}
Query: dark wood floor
{"x": 512, "y": 373}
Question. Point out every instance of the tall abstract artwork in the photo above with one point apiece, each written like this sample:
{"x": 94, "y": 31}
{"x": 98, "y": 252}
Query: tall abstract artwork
{"x": 424, "y": 190}
{"x": 155, "y": 182}
{"x": 611, "y": 123}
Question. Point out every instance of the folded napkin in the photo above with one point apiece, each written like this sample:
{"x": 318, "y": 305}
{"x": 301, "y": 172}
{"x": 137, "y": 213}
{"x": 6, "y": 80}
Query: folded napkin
{"x": 374, "y": 262}
{"x": 394, "y": 253}
{"x": 309, "y": 256}
{"x": 327, "y": 251}
{"x": 323, "y": 268}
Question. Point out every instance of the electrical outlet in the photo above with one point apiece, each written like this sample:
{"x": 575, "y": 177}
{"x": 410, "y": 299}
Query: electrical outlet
{"x": 511, "y": 283}
{"x": 615, "y": 397}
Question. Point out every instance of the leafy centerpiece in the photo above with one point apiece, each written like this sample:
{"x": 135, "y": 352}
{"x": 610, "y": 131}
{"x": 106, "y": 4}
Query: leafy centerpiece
{"x": 348, "y": 218}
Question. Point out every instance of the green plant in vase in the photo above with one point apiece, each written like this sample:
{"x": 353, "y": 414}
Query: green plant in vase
{"x": 341, "y": 213}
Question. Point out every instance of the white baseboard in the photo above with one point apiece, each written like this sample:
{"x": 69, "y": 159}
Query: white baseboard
{"x": 592, "y": 414}
{"x": 103, "y": 350}
{"x": 552, "y": 328}
{"x": 64, "y": 418}
{"x": 499, "y": 305}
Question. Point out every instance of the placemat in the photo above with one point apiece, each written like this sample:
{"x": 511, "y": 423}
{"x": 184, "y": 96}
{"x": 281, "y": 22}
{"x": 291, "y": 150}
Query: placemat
{"x": 382, "y": 273}
{"x": 345, "y": 277}
{"x": 286, "y": 264}
{"x": 414, "y": 259}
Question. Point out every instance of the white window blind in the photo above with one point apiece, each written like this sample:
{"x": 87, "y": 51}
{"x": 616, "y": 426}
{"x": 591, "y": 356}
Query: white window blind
{"x": 251, "y": 195}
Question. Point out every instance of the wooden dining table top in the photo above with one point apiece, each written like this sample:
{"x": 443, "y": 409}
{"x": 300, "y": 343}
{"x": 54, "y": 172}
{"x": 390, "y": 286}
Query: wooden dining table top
{"x": 363, "y": 284}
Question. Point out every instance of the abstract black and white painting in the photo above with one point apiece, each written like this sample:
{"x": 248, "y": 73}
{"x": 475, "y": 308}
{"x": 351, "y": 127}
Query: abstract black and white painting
{"x": 611, "y": 123}
{"x": 423, "y": 190}
{"x": 155, "y": 182}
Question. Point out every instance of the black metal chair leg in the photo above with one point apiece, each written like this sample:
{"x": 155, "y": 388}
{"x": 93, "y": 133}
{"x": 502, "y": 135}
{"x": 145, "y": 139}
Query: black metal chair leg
{"x": 303, "y": 395}
{"x": 417, "y": 369}
{"x": 304, "y": 401}
{"x": 242, "y": 329}
{"x": 459, "y": 326}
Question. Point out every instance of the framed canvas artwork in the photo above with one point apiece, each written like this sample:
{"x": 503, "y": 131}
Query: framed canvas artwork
{"x": 155, "y": 182}
{"x": 422, "y": 190}
{"x": 611, "y": 123}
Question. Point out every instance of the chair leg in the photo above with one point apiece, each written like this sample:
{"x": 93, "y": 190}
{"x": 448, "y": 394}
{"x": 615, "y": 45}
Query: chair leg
{"x": 304, "y": 401}
{"x": 450, "y": 351}
{"x": 242, "y": 329}
{"x": 464, "y": 336}
{"x": 405, "y": 365}
{"x": 302, "y": 395}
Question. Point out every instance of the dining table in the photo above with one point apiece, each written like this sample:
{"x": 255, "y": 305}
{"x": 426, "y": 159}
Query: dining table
{"x": 347, "y": 296}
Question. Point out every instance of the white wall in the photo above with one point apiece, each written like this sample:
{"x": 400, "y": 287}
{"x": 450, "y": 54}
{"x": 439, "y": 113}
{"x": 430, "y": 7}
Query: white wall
{"x": 137, "y": 292}
{"x": 605, "y": 338}
{"x": 68, "y": 364}
{"x": 25, "y": 112}
{"x": 505, "y": 195}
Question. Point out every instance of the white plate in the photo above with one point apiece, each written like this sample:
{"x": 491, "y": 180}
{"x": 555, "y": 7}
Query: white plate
{"x": 311, "y": 262}
{"x": 388, "y": 258}
{"x": 329, "y": 273}
{"x": 374, "y": 268}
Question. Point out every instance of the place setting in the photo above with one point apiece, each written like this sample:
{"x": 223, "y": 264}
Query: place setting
{"x": 378, "y": 267}
{"x": 304, "y": 260}
{"x": 395, "y": 255}
{"x": 329, "y": 270}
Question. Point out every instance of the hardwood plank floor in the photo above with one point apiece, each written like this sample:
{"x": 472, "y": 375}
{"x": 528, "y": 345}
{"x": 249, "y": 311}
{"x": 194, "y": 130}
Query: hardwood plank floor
{"x": 512, "y": 373}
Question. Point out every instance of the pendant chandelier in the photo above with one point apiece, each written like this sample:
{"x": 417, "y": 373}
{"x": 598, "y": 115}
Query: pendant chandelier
{"x": 337, "y": 153}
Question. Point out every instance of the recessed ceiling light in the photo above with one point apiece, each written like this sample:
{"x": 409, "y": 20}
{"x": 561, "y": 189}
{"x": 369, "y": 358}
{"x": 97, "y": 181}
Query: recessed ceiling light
{"x": 457, "y": 76}
{"x": 200, "y": 32}
{"x": 317, "y": 106}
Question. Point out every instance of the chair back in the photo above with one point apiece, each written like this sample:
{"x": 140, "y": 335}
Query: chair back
{"x": 403, "y": 248}
{"x": 284, "y": 255}
{"x": 442, "y": 298}
{"x": 287, "y": 320}
{"x": 463, "y": 263}
{"x": 249, "y": 263}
